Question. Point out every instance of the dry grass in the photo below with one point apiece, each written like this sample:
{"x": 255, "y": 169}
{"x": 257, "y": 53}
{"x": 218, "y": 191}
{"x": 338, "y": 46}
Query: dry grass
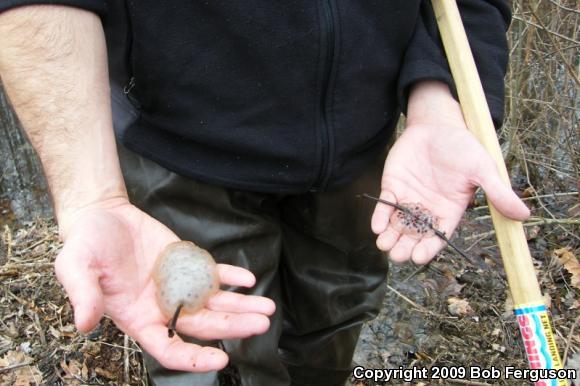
{"x": 38, "y": 341}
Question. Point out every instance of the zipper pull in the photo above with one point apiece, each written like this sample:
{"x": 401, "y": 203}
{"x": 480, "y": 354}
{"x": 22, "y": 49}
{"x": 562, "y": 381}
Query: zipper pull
{"x": 128, "y": 87}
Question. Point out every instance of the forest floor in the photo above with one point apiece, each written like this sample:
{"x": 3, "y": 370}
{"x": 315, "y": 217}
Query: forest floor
{"x": 448, "y": 313}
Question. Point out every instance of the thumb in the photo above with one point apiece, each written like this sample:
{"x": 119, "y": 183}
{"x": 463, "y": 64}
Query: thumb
{"x": 501, "y": 196}
{"x": 76, "y": 271}
{"x": 382, "y": 213}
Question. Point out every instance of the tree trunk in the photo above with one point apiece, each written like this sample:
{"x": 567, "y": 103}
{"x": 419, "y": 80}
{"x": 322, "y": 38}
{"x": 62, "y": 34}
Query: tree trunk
{"x": 23, "y": 190}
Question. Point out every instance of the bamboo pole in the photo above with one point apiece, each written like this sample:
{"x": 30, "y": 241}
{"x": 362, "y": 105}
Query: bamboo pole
{"x": 529, "y": 305}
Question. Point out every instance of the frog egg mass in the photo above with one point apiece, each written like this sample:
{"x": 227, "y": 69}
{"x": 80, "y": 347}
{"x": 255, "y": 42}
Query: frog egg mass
{"x": 416, "y": 222}
{"x": 186, "y": 276}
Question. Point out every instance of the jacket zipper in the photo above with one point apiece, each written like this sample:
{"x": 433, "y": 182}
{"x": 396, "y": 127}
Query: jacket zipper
{"x": 131, "y": 81}
{"x": 329, "y": 39}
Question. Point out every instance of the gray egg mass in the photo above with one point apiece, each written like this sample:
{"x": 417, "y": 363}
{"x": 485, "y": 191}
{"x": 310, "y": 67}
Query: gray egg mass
{"x": 185, "y": 274}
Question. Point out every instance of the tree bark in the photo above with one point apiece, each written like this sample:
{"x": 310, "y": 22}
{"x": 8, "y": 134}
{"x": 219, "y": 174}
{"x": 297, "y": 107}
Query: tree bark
{"x": 23, "y": 189}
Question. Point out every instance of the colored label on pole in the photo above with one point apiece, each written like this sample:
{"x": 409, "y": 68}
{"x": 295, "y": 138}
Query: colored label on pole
{"x": 536, "y": 330}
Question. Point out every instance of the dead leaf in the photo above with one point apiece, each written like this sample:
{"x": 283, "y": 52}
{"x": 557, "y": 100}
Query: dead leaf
{"x": 548, "y": 300}
{"x": 85, "y": 371}
{"x": 532, "y": 232}
{"x": 528, "y": 192}
{"x": 444, "y": 286}
{"x": 69, "y": 330}
{"x": 54, "y": 332}
{"x": 72, "y": 369}
{"x": 570, "y": 262}
{"x": 498, "y": 347}
{"x": 24, "y": 375}
{"x": 490, "y": 262}
{"x": 11, "y": 331}
{"x": 459, "y": 307}
{"x": 104, "y": 373}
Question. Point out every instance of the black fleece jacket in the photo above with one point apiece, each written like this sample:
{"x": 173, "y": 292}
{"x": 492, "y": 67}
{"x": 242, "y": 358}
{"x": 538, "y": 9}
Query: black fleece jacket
{"x": 280, "y": 96}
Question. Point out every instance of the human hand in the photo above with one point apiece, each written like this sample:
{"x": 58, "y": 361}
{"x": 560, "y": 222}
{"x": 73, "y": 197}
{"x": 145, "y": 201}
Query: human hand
{"x": 436, "y": 162}
{"x": 105, "y": 267}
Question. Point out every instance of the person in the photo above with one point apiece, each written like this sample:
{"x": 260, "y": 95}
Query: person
{"x": 248, "y": 128}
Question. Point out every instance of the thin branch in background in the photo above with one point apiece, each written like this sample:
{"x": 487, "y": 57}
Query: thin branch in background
{"x": 557, "y": 47}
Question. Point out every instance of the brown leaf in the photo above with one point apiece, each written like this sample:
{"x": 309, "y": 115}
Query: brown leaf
{"x": 104, "y": 373}
{"x": 54, "y": 332}
{"x": 72, "y": 369}
{"x": 68, "y": 331}
{"x": 547, "y": 300}
{"x": 444, "y": 286}
{"x": 532, "y": 232}
{"x": 528, "y": 192}
{"x": 570, "y": 262}
{"x": 459, "y": 307}
{"x": 85, "y": 371}
{"x": 20, "y": 376}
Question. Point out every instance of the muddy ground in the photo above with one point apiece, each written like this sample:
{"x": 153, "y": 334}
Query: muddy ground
{"x": 448, "y": 313}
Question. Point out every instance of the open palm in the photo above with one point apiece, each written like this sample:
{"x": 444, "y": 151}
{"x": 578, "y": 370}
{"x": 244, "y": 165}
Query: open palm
{"x": 439, "y": 167}
{"x": 105, "y": 267}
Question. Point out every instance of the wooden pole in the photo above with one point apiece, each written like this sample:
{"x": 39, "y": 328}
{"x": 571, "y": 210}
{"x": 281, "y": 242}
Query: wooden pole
{"x": 529, "y": 305}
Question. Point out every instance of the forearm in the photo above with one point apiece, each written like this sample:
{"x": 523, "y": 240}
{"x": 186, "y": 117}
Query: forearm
{"x": 54, "y": 69}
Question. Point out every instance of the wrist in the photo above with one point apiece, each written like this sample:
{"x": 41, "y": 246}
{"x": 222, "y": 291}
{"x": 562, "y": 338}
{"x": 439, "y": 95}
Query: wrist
{"x": 68, "y": 215}
{"x": 431, "y": 103}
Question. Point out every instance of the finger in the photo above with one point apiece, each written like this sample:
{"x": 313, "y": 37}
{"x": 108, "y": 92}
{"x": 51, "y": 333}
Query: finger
{"x": 175, "y": 354}
{"x": 427, "y": 249}
{"x": 403, "y": 248}
{"x": 235, "y": 302}
{"x": 502, "y": 197}
{"x": 208, "y": 325}
{"x": 81, "y": 282}
{"x": 236, "y": 276}
{"x": 382, "y": 213}
{"x": 387, "y": 239}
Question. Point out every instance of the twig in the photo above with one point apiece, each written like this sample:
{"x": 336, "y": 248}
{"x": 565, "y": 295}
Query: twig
{"x": 568, "y": 66}
{"x": 173, "y": 322}
{"x": 565, "y": 221}
{"x": 8, "y": 241}
{"x": 126, "y": 355}
{"x": 569, "y": 340}
{"x": 34, "y": 245}
{"x": 557, "y": 4}
{"x": 545, "y": 221}
{"x": 438, "y": 233}
{"x": 535, "y": 198}
{"x": 15, "y": 366}
{"x": 39, "y": 328}
{"x": 464, "y": 382}
{"x": 415, "y": 272}
{"x": 417, "y": 306}
{"x": 546, "y": 29}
